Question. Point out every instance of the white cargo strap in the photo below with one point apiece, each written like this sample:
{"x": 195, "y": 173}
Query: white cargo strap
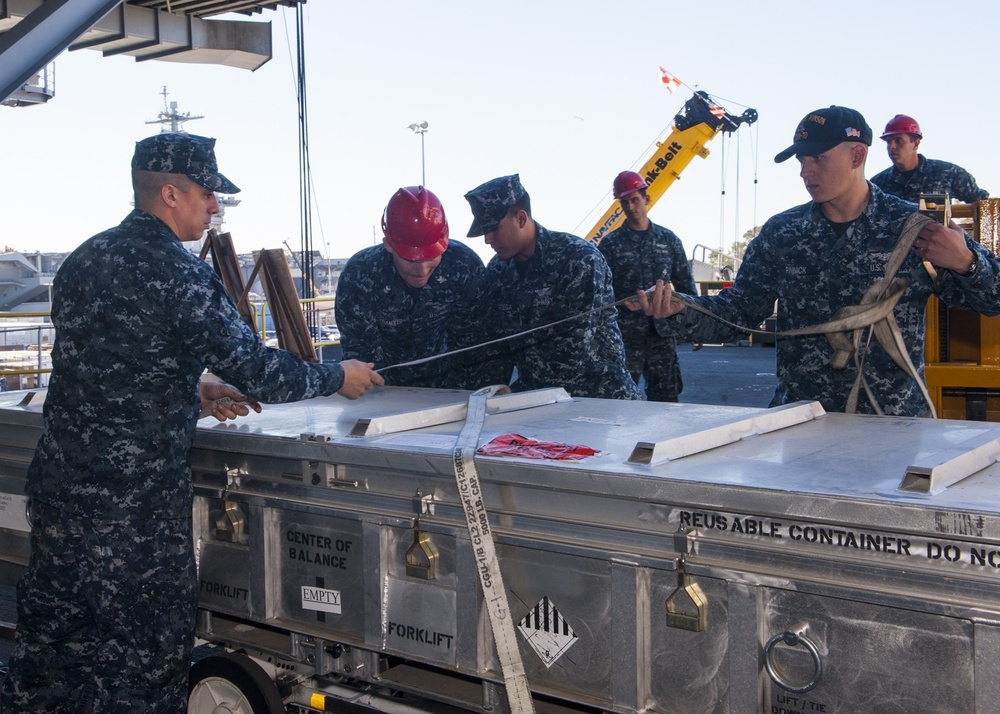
{"x": 484, "y": 551}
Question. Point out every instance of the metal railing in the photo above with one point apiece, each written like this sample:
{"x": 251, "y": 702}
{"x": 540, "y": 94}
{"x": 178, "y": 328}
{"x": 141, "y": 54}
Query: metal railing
{"x": 723, "y": 265}
{"x": 259, "y": 310}
{"x": 41, "y": 348}
{"x": 24, "y": 368}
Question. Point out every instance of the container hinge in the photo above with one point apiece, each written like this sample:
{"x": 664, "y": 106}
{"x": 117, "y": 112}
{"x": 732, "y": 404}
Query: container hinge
{"x": 324, "y": 473}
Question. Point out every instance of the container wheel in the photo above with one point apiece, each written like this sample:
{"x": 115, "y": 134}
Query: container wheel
{"x": 231, "y": 684}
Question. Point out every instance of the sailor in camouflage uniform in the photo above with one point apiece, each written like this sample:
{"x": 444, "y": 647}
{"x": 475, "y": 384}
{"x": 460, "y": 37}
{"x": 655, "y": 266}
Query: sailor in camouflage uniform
{"x": 911, "y": 174}
{"x": 822, "y": 256}
{"x": 412, "y": 297}
{"x": 639, "y": 253}
{"x": 538, "y": 277}
{"x": 106, "y": 609}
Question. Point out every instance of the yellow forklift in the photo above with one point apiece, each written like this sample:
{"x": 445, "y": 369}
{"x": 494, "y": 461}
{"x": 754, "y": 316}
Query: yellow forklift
{"x": 962, "y": 350}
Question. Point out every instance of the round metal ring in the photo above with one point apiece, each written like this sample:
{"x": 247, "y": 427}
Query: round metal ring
{"x": 792, "y": 639}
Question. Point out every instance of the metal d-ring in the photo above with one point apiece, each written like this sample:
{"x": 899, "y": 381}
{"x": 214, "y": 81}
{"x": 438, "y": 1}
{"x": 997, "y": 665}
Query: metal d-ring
{"x": 791, "y": 639}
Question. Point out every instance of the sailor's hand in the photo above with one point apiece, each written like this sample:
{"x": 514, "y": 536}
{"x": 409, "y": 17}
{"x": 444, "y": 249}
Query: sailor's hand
{"x": 658, "y": 301}
{"x": 943, "y": 247}
{"x": 635, "y": 304}
{"x": 359, "y": 377}
{"x": 632, "y": 303}
{"x": 224, "y": 401}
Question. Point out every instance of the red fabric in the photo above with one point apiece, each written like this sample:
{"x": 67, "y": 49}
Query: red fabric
{"x": 517, "y": 445}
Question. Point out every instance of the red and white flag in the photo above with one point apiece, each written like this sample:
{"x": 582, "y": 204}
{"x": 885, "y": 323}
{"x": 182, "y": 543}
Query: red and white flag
{"x": 717, "y": 110}
{"x": 669, "y": 81}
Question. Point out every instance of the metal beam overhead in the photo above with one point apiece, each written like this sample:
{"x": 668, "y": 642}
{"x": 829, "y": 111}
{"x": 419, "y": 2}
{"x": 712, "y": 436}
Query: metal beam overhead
{"x": 43, "y": 34}
{"x": 34, "y": 32}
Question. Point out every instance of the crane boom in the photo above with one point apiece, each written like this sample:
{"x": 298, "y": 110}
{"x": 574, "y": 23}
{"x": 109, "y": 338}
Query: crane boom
{"x": 699, "y": 120}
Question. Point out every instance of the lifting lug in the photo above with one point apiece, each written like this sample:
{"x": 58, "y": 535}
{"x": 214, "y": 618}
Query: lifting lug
{"x": 686, "y": 606}
{"x": 422, "y": 556}
{"x": 230, "y": 524}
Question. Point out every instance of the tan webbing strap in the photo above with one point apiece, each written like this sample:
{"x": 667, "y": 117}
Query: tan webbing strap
{"x": 884, "y": 294}
{"x": 484, "y": 551}
{"x": 855, "y": 324}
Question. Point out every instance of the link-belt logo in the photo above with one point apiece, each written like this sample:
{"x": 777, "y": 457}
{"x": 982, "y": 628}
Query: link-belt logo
{"x": 606, "y": 226}
{"x": 651, "y": 175}
{"x": 662, "y": 162}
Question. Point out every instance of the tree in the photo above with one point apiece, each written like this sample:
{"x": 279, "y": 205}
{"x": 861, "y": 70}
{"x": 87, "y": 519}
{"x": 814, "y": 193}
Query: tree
{"x": 739, "y": 247}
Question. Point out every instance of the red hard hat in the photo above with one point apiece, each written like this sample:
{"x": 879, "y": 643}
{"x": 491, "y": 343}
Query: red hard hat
{"x": 902, "y": 124}
{"x": 628, "y": 182}
{"x": 414, "y": 224}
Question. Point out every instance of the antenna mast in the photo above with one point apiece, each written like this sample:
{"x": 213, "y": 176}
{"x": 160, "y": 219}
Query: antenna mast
{"x": 171, "y": 119}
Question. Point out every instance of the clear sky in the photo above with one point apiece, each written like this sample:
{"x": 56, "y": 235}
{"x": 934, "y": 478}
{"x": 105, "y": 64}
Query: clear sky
{"x": 564, "y": 92}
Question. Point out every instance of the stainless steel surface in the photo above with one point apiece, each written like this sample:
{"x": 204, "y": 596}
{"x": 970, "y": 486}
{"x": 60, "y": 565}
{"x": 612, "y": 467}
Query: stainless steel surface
{"x": 303, "y": 534}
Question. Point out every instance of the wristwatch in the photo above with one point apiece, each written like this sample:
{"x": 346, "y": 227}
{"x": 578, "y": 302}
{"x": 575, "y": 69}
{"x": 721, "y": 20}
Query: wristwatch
{"x": 971, "y": 270}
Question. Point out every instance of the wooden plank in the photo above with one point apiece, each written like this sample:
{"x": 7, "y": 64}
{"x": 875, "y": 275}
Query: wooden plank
{"x": 283, "y": 301}
{"x": 225, "y": 262}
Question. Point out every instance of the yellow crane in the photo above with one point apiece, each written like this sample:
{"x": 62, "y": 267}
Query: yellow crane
{"x": 699, "y": 120}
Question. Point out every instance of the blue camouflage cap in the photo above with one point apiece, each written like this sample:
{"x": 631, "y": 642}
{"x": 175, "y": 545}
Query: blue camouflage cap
{"x": 187, "y": 154}
{"x": 491, "y": 201}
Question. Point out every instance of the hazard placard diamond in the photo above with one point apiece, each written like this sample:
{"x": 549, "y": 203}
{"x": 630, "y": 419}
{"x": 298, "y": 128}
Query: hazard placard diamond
{"x": 547, "y": 631}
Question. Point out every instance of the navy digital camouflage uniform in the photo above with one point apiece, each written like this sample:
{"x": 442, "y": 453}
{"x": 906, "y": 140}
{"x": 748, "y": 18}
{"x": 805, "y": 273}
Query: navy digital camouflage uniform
{"x": 565, "y": 276}
{"x": 385, "y": 321}
{"x": 106, "y": 609}
{"x": 637, "y": 260}
{"x": 798, "y": 260}
{"x": 930, "y": 177}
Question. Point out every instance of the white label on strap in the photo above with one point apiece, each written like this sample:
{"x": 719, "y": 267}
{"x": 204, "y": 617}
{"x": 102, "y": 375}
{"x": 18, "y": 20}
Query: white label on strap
{"x": 484, "y": 551}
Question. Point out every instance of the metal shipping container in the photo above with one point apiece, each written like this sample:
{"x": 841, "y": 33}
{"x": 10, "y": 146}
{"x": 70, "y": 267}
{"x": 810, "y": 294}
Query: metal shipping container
{"x": 707, "y": 559}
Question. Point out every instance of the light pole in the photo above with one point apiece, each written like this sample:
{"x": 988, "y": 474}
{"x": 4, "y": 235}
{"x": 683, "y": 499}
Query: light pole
{"x": 421, "y": 129}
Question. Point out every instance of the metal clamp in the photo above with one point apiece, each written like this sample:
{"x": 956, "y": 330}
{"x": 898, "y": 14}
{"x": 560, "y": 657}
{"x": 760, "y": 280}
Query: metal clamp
{"x": 422, "y": 556}
{"x": 687, "y": 607}
{"x": 792, "y": 639}
{"x": 230, "y": 525}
